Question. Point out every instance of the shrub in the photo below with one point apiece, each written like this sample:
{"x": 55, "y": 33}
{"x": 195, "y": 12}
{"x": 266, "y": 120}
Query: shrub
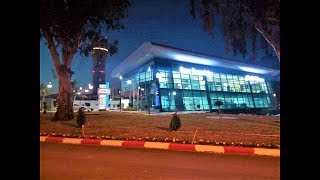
{"x": 218, "y": 103}
{"x": 81, "y": 118}
{"x": 175, "y": 122}
{"x": 129, "y": 109}
{"x": 147, "y": 107}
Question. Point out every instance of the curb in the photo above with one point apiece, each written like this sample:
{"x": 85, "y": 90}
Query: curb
{"x": 168, "y": 146}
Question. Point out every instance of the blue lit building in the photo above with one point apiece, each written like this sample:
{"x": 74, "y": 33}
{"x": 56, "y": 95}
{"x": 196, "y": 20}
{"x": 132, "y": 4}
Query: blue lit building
{"x": 171, "y": 79}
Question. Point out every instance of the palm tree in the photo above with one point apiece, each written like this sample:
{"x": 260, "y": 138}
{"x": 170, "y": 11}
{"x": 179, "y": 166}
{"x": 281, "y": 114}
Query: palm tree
{"x": 218, "y": 103}
{"x": 43, "y": 91}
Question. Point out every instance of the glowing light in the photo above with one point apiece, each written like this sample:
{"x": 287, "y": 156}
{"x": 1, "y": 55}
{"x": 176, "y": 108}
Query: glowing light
{"x": 49, "y": 85}
{"x": 193, "y": 59}
{"x": 158, "y": 75}
{"x": 120, "y": 77}
{"x": 253, "y": 70}
{"x": 274, "y": 95}
{"x": 253, "y": 78}
{"x": 149, "y": 69}
{"x": 129, "y": 81}
{"x": 142, "y": 89}
{"x": 174, "y": 93}
{"x": 79, "y": 93}
{"x": 86, "y": 90}
{"x": 100, "y": 48}
{"x": 194, "y": 71}
{"x": 80, "y": 88}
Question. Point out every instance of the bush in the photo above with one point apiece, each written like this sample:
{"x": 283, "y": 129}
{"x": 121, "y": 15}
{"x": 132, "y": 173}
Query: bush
{"x": 81, "y": 118}
{"x": 175, "y": 122}
{"x": 129, "y": 109}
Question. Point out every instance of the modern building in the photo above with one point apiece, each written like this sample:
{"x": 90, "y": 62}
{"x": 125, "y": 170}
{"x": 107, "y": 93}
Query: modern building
{"x": 171, "y": 79}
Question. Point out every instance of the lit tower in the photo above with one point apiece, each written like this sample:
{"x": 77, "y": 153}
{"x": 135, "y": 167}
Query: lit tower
{"x": 99, "y": 57}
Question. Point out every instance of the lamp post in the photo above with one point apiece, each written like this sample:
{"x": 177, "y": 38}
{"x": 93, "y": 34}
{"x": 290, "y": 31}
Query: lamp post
{"x": 129, "y": 82}
{"x": 275, "y": 101}
{"x": 120, "y": 92}
{"x": 138, "y": 98}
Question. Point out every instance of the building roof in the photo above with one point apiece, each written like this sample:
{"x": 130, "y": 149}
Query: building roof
{"x": 149, "y": 50}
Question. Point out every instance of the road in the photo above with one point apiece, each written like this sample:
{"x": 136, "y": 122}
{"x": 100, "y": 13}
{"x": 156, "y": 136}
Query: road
{"x": 66, "y": 161}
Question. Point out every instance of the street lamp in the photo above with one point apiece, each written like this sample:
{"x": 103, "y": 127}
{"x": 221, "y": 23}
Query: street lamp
{"x": 49, "y": 85}
{"x": 129, "y": 82}
{"x": 120, "y": 92}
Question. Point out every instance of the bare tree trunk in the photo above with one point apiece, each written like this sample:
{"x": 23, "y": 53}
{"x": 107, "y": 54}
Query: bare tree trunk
{"x": 65, "y": 99}
{"x": 64, "y": 73}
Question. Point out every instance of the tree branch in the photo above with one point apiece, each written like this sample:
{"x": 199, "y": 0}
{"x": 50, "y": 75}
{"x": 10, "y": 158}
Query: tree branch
{"x": 53, "y": 50}
{"x": 272, "y": 44}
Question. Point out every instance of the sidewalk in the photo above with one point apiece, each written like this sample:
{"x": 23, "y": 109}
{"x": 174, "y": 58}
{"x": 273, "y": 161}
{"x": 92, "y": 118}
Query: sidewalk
{"x": 166, "y": 146}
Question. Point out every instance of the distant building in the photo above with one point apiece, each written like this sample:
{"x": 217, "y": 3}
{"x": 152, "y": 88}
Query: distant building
{"x": 171, "y": 79}
{"x": 115, "y": 104}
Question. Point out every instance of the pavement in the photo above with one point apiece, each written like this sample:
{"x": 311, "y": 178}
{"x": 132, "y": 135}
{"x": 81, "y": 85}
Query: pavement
{"x": 68, "y": 161}
{"x": 166, "y": 146}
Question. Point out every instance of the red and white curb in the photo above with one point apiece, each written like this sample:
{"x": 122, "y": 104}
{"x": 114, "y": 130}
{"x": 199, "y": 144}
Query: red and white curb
{"x": 170, "y": 146}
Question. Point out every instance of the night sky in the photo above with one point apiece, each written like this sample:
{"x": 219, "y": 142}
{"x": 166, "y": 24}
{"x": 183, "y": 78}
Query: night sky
{"x": 165, "y": 22}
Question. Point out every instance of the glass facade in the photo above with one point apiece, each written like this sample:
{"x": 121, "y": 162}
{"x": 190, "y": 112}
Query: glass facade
{"x": 171, "y": 87}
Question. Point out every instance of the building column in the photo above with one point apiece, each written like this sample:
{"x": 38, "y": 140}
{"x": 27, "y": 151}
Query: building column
{"x": 251, "y": 93}
{"x": 207, "y": 92}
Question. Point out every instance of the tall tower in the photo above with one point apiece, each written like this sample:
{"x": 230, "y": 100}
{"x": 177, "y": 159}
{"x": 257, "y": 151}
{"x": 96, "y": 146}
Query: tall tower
{"x": 99, "y": 57}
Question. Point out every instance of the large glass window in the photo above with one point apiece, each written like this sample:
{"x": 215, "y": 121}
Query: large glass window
{"x": 195, "y": 101}
{"x": 167, "y": 101}
{"x": 165, "y": 79}
{"x": 261, "y": 100}
{"x": 177, "y": 80}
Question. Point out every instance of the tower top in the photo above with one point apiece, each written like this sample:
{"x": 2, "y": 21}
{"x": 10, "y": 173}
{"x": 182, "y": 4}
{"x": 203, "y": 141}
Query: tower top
{"x": 101, "y": 43}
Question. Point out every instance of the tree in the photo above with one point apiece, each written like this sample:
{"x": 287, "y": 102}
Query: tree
{"x": 241, "y": 19}
{"x": 44, "y": 90}
{"x": 75, "y": 88}
{"x": 72, "y": 26}
{"x": 218, "y": 103}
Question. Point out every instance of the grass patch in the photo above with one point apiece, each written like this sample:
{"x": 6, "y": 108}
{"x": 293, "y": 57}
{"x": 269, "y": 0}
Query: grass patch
{"x": 246, "y": 129}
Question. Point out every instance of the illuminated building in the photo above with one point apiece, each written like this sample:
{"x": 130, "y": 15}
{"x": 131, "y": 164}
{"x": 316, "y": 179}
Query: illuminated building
{"x": 171, "y": 79}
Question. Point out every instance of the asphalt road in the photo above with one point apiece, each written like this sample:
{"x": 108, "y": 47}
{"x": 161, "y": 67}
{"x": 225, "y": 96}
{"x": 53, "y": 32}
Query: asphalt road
{"x": 65, "y": 161}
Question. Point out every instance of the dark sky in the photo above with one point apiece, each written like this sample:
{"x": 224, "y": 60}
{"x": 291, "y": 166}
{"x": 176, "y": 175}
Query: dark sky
{"x": 165, "y": 22}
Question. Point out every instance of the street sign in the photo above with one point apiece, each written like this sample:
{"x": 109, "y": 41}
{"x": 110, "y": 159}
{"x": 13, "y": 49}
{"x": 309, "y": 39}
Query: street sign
{"x": 103, "y": 86}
